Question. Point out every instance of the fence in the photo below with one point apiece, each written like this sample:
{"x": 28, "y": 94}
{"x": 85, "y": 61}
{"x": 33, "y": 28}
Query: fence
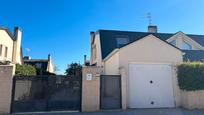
{"x": 46, "y": 93}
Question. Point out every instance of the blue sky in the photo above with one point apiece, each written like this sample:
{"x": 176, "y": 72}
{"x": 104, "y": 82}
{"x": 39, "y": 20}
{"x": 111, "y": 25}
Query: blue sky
{"x": 62, "y": 27}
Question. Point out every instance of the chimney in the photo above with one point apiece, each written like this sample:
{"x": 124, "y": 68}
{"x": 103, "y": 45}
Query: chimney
{"x": 49, "y": 57}
{"x": 91, "y": 36}
{"x": 91, "y": 40}
{"x": 50, "y": 65}
{"x": 17, "y": 46}
{"x": 84, "y": 59}
{"x": 152, "y": 29}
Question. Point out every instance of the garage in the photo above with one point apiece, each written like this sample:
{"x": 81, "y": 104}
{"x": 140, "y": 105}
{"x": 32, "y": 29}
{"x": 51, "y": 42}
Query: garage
{"x": 150, "y": 86}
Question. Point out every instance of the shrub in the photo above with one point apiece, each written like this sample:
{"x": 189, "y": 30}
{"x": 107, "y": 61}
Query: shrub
{"x": 25, "y": 69}
{"x": 191, "y": 76}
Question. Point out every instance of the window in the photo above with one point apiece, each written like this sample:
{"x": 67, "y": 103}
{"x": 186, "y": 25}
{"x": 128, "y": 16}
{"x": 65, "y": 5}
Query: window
{"x": 6, "y": 52}
{"x": 122, "y": 41}
{"x": 173, "y": 42}
{"x": 38, "y": 65}
{"x": 186, "y": 46}
{"x": 1, "y": 47}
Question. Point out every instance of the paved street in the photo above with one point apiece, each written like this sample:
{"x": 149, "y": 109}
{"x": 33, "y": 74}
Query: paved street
{"x": 130, "y": 112}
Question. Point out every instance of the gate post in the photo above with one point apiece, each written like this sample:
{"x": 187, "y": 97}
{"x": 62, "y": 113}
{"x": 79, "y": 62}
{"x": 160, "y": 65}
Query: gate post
{"x": 124, "y": 83}
{"x": 91, "y": 88}
{"x": 6, "y": 81}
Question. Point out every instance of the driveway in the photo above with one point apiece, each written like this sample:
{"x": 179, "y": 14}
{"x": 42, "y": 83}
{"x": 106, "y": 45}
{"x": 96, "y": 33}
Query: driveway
{"x": 129, "y": 112}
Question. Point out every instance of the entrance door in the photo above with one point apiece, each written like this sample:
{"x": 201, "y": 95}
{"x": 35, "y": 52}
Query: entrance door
{"x": 110, "y": 92}
{"x": 150, "y": 86}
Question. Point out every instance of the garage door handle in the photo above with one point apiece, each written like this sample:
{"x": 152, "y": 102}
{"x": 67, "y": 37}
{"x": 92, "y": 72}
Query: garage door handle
{"x": 151, "y": 81}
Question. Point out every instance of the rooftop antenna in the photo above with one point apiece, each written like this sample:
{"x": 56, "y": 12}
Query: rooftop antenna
{"x": 149, "y": 17}
{"x": 27, "y": 51}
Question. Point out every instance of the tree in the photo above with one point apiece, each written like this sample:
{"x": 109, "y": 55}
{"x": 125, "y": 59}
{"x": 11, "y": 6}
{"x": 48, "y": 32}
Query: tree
{"x": 73, "y": 69}
{"x": 25, "y": 69}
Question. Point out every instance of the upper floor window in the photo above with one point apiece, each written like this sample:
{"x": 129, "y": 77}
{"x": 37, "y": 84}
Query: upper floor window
{"x": 173, "y": 42}
{"x": 38, "y": 65}
{"x": 1, "y": 48}
{"x": 6, "y": 52}
{"x": 122, "y": 41}
{"x": 186, "y": 46}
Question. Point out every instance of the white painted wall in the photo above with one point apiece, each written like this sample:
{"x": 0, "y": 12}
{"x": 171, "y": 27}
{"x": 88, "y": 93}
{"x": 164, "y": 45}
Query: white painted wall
{"x": 98, "y": 59}
{"x": 50, "y": 66}
{"x": 17, "y": 47}
{"x": 6, "y": 41}
{"x": 147, "y": 50}
{"x": 111, "y": 65}
{"x": 14, "y": 46}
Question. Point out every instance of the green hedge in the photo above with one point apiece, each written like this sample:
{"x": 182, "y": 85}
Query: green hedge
{"x": 25, "y": 69}
{"x": 191, "y": 76}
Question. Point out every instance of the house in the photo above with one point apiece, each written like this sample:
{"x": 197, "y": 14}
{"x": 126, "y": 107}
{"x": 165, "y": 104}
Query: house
{"x": 146, "y": 62}
{"x": 44, "y": 66}
{"x": 10, "y": 46}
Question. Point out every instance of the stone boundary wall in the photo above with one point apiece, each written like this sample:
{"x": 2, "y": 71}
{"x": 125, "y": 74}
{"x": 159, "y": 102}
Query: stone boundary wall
{"x": 192, "y": 99}
{"x": 6, "y": 81}
{"x": 91, "y": 90}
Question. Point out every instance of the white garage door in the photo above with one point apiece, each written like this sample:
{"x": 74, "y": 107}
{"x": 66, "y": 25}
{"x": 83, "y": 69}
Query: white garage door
{"x": 150, "y": 86}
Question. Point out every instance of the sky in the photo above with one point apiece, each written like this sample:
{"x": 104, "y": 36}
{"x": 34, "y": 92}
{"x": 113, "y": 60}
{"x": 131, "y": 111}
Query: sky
{"x": 61, "y": 27}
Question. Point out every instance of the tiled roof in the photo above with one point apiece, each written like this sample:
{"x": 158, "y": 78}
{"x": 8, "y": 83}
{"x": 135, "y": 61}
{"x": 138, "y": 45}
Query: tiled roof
{"x": 35, "y": 60}
{"x": 109, "y": 43}
{"x": 198, "y": 38}
{"x": 9, "y": 33}
{"x": 193, "y": 55}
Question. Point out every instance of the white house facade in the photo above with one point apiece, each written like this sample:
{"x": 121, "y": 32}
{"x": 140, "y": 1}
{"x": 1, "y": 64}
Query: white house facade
{"x": 10, "y": 45}
{"x": 148, "y": 60}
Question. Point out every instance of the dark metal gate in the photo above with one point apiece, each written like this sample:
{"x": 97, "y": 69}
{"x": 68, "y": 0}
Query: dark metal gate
{"x": 110, "y": 92}
{"x": 46, "y": 93}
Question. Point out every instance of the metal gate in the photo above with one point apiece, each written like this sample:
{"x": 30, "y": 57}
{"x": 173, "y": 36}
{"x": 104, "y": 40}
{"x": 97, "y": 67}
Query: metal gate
{"x": 46, "y": 93}
{"x": 110, "y": 92}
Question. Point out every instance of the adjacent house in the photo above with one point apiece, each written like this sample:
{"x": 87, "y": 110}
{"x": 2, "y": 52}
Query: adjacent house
{"x": 146, "y": 62}
{"x": 10, "y": 46}
{"x": 44, "y": 66}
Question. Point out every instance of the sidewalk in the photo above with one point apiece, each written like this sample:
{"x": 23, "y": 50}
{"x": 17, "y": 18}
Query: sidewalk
{"x": 128, "y": 112}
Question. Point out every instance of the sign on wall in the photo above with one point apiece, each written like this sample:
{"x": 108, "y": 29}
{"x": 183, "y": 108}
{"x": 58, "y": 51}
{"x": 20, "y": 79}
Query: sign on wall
{"x": 88, "y": 76}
